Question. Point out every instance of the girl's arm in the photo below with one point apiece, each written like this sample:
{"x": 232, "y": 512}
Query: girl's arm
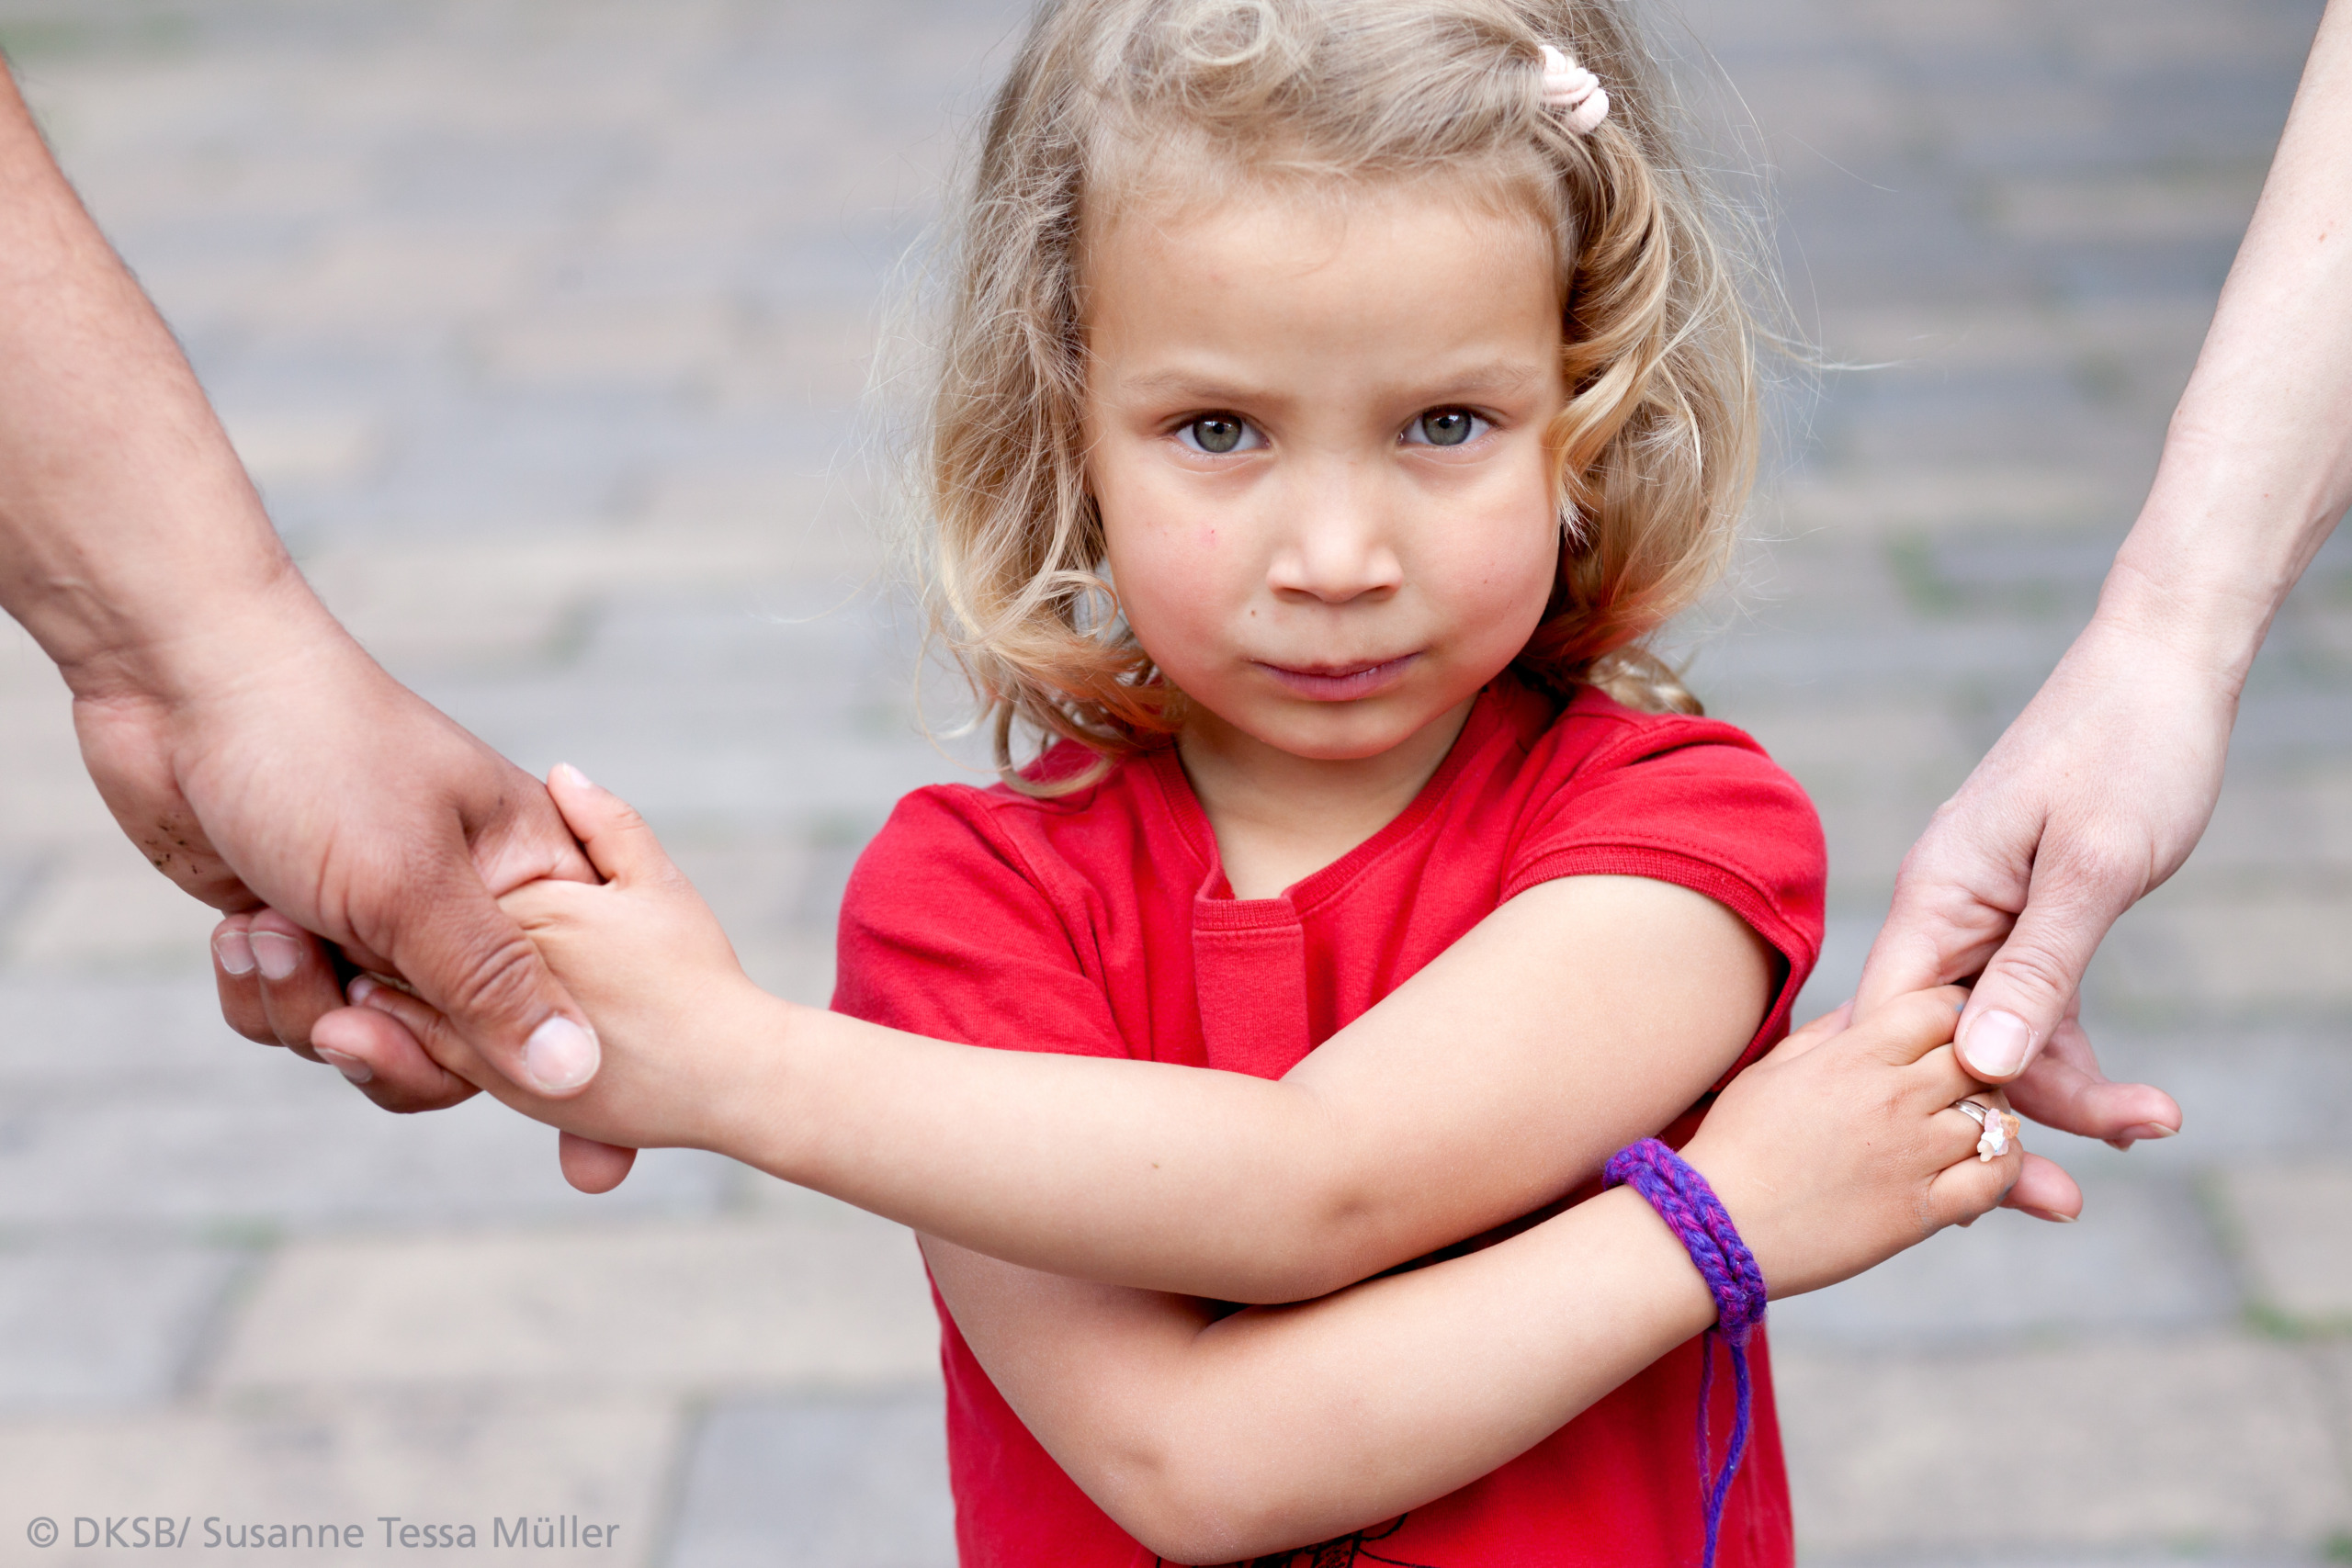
{"x": 1380, "y": 1148}
{"x": 1218, "y": 1439}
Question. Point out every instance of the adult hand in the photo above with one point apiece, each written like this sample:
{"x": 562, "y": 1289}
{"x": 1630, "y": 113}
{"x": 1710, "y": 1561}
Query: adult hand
{"x": 2105, "y": 783}
{"x": 304, "y": 778}
{"x": 241, "y": 738}
{"x": 2093, "y": 797}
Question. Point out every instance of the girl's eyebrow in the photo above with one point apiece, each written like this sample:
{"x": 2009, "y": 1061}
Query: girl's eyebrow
{"x": 1494, "y": 376}
{"x": 1184, "y": 386}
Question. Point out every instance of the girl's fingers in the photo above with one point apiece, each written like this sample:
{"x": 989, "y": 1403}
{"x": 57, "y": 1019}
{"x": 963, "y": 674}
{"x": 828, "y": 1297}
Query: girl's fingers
{"x": 2045, "y": 1190}
{"x": 1971, "y": 1187}
{"x": 1827, "y": 1027}
{"x": 590, "y": 1166}
{"x": 1955, "y": 1132}
{"x": 1908, "y": 1028}
{"x": 619, "y": 845}
{"x": 238, "y": 979}
{"x": 1938, "y": 1078}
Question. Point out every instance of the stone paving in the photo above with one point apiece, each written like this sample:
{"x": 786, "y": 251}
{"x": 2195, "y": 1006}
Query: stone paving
{"x": 544, "y": 325}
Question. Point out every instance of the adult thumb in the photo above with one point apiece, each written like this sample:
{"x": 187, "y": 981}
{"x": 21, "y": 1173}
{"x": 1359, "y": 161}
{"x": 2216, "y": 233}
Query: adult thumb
{"x": 468, "y": 957}
{"x": 2029, "y": 985}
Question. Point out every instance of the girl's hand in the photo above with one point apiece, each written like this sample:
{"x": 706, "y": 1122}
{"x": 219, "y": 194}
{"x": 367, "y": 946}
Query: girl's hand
{"x": 648, "y": 962}
{"x": 1840, "y": 1149}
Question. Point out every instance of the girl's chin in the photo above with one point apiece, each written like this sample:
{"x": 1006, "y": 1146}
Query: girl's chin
{"x": 1340, "y": 732}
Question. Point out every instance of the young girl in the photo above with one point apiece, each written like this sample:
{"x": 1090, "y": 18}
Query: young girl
{"x": 1336, "y": 393}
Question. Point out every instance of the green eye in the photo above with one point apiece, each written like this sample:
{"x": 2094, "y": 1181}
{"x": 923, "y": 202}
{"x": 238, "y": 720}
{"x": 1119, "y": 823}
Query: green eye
{"x": 1447, "y": 427}
{"x": 1218, "y": 433}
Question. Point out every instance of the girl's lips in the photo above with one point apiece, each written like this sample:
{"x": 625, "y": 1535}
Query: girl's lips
{"x": 1341, "y": 683}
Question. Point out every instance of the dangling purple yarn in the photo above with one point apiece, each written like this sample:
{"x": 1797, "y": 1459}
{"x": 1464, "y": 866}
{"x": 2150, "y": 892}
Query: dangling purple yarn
{"x": 1690, "y": 1208}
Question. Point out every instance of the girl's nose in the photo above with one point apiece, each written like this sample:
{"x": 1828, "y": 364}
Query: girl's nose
{"x": 1339, "y": 547}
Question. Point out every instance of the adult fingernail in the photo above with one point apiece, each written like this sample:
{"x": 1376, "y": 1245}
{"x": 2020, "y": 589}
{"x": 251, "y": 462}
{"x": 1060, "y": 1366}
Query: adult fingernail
{"x": 559, "y": 1055}
{"x": 234, "y": 954}
{"x": 278, "y": 955}
{"x": 1996, "y": 1044}
{"x": 2055, "y": 1219}
{"x": 572, "y": 776}
{"x": 349, "y": 1066}
{"x": 2147, "y": 1129}
{"x": 362, "y": 987}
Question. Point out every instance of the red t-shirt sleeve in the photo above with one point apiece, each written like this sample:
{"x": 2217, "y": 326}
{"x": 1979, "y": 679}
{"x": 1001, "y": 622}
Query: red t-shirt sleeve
{"x": 945, "y": 932}
{"x": 1700, "y": 805}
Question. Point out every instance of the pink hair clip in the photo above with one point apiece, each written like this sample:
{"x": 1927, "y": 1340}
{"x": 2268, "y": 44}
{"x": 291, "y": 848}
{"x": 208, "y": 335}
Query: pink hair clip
{"x": 1575, "y": 91}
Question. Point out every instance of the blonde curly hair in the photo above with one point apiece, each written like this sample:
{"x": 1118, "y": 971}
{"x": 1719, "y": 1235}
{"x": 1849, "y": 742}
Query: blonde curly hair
{"x": 1654, "y": 452}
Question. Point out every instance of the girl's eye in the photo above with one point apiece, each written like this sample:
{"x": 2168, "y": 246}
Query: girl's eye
{"x": 1219, "y": 434}
{"x": 1445, "y": 427}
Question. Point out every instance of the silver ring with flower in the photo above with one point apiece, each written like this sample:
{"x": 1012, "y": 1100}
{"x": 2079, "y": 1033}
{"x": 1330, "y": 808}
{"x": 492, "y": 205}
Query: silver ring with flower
{"x": 1995, "y": 1129}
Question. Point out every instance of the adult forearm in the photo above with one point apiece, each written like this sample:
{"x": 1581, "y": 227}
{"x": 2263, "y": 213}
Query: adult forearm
{"x": 2257, "y": 466}
{"x": 131, "y": 544}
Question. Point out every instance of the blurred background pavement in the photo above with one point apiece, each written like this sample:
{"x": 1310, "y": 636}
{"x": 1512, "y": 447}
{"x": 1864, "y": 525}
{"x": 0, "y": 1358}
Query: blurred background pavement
{"x": 543, "y": 325}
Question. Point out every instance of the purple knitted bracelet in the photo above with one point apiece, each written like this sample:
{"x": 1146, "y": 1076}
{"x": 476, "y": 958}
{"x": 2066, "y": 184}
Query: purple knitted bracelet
{"x": 1690, "y": 1208}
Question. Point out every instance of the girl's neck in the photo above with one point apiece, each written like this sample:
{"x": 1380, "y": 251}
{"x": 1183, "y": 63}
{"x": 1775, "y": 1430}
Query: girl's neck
{"x": 1279, "y": 816}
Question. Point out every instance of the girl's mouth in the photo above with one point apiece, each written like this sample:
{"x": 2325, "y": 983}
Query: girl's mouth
{"x": 1339, "y": 683}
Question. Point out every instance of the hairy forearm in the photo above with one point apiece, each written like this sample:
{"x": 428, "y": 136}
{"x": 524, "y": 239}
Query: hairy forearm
{"x": 1222, "y": 1440}
{"x": 130, "y": 539}
{"x": 2257, "y": 466}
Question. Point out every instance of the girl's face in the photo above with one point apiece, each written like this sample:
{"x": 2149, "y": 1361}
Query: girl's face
{"x": 1316, "y": 439}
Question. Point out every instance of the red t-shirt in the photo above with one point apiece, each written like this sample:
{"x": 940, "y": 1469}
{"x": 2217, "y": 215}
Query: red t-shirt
{"x": 1101, "y": 924}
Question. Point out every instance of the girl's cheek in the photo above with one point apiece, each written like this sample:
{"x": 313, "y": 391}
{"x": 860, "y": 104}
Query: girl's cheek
{"x": 1499, "y": 599}
{"x": 1509, "y": 579}
{"x": 1166, "y": 565}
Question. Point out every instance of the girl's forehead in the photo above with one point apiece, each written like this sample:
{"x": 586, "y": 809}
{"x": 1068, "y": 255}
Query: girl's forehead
{"x": 1271, "y": 293}
{"x": 1176, "y": 203}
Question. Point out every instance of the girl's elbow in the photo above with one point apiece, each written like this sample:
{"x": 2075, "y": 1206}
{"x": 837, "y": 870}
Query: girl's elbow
{"x": 1181, "y": 1527}
{"x": 1284, "y": 1280}
{"x": 1332, "y": 1239}
{"x": 1188, "y": 1513}
{"x": 1174, "y": 1540}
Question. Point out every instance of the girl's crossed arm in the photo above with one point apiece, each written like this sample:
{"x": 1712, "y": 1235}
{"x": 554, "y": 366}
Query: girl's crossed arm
{"x": 1214, "y": 1436}
{"x": 1215, "y": 1440}
{"x": 1467, "y": 1099}
{"x": 1211, "y": 1436}
{"x": 1378, "y": 1148}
